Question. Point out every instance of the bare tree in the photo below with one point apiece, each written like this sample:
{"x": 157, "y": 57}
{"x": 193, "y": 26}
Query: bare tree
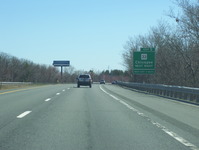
{"x": 177, "y": 52}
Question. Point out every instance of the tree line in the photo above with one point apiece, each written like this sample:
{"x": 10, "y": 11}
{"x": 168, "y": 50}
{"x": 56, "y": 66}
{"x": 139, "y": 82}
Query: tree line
{"x": 13, "y": 69}
{"x": 177, "y": 48}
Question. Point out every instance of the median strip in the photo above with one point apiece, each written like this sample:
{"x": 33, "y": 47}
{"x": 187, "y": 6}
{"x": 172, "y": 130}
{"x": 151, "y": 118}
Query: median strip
{"x": 18, "y": 90}
{"x": 14, "y": 91}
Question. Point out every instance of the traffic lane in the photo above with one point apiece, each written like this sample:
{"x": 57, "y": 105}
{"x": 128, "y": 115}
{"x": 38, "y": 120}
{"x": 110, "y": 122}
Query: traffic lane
{"x": 16, "y": 102}
{"x": 185, "y": 113}
{"x": 22, "y": 133}
{"x": 45, "y": 127}
{"x": 84, "y": 118}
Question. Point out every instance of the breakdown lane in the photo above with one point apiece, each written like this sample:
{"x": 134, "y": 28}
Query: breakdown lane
{"x": 163, "y": 128}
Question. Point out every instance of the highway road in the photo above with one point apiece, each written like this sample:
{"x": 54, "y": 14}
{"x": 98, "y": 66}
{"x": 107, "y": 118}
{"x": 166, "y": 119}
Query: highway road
{"x": 104, "y": 117}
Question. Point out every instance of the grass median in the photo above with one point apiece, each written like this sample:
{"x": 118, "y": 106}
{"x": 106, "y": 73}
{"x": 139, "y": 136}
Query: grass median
{"x": 7, "y": 87}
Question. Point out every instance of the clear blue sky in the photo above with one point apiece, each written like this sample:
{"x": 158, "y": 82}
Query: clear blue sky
{"x": 89, "y": 33}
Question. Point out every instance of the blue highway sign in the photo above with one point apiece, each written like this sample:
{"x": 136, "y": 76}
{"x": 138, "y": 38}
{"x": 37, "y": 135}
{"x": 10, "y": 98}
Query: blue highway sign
{"x": 61, "y": 63}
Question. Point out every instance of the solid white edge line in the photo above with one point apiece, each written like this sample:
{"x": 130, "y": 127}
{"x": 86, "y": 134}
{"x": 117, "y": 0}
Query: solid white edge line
{"x": 24, "y": 114}
{"x": 167, "y": 131}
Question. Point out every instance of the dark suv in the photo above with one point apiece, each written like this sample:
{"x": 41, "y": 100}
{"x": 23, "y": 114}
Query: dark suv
{"x": 85, "y": 80}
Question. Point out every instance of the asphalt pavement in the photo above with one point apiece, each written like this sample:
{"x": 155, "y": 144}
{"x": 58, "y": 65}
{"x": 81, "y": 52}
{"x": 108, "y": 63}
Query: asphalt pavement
{"x": 104, "y": 117}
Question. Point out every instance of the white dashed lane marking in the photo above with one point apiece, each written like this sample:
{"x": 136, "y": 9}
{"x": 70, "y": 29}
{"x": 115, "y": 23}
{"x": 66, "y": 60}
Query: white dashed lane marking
{"x": 23, "y": 114}
{"x": 58, "y": 94}
{"x": 28, "y": 112}
{"x": 48, "y": 99}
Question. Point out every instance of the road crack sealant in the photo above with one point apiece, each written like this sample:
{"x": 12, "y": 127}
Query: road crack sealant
{"x": 158, "y": 125}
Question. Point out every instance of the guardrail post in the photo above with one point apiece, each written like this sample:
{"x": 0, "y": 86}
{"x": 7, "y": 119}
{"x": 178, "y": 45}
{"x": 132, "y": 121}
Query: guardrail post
{"x": 197, "y": 98}
{"x": 176, "y": 95}
{"x": 191, "y": 97}
{"x": 186, "y": 96}
{"x": 171, "y": 93}
{"x": 168, "y": 93}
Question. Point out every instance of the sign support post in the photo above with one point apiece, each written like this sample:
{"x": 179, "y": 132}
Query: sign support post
{"x": 61, "y": 64}
{"x": 61, "y": 72}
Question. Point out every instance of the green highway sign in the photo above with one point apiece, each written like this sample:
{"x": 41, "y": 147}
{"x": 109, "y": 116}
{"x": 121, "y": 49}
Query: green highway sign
{"x": 144, "y": 62}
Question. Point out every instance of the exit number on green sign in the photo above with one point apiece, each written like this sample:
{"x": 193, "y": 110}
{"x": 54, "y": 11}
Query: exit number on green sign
{"x": 144, "y": 62}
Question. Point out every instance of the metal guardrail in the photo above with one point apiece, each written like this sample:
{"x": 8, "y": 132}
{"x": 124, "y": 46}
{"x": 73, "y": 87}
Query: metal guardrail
{"x": 186, "y": 94}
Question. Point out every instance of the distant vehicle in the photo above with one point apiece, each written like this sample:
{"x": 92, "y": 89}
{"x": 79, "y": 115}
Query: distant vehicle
{"x": 102, "y": 82}
{"x": 114, "y": 82}
{"x": 85, "y": 80}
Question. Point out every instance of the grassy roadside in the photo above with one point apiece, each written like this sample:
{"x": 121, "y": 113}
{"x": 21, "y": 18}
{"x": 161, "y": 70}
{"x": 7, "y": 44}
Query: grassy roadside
{"x": 7, "y": 87}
